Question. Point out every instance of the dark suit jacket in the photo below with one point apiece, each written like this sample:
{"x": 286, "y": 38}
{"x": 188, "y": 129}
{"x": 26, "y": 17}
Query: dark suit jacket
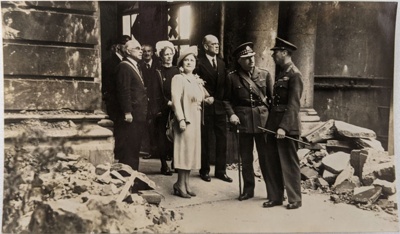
{"x": 108, "y": 81}
{"x": 285, "y": 110}
{"x": 215, "y": 84}
{"x": 153, "y": 84}
{"x": 130, "y": 93}
{"x": 239, "y": 98}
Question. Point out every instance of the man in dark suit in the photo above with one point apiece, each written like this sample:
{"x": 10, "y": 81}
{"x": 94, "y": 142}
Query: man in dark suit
{"x": 108, "y": 74}
{"x": 130, "y": 107}
{"x": 249, "y": 91}
{"x": 214, "y": 131}
{"x": 283, "y": 163}
{"x": 154, "y": 86}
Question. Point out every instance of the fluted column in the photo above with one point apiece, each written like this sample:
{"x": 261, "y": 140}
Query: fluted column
{"x": 302, "y": 31}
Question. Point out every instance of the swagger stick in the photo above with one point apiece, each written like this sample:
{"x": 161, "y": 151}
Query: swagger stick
{"x": 239, "y": 160}
{"x": 291, "y": 138}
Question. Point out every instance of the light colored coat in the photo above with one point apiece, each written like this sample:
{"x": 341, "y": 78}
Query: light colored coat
{"x": 187, "y": 98}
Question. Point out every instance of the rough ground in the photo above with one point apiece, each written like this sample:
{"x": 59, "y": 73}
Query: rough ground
{"x": 217, "y": 210}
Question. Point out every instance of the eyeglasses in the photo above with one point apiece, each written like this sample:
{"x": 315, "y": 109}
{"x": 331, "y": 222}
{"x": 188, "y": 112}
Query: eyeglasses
{"x": 135, "y": 48}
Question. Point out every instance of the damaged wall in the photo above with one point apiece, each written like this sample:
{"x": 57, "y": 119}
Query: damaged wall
{"x": 354, "y": 63}
{"x": 53, "y": 47}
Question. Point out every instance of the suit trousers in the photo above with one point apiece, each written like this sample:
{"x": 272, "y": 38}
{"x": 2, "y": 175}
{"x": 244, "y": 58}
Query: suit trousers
{"x": 128, "y": 140}
{"x": 283, "y": 169}
{"x": 214, "y": 141}
{"x": 163, "y": 147}
{"x": 246, "y": 144}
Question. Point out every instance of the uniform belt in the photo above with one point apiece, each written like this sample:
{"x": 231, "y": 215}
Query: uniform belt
{"x": 279, "y": 105}
{"x": 251, "y": 103}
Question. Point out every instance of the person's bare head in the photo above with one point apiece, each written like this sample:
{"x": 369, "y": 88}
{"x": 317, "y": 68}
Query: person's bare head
{"x": 211, "y": 45}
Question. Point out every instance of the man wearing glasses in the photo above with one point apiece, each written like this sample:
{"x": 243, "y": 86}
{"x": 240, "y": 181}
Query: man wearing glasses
{"x": 130, "y": 121}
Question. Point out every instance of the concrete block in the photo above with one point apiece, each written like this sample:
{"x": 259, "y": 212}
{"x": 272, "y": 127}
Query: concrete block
{"x": 336, "y": 145}
{"x": 151, "y": 196}
{"x": 344, "y": 187}
{"x": 308, "y": 173}
{"x": 357, "y": 161}
{"x": 353, "y": 131}
{"x": 329, "y": 176}
{"x": 386, "y": 204}
{"x": 388, "y": 188}
{"x": 346, "y": 174}
{"x": 355, "y": 180}
{"x": 336, "y": 162}
{"x": 321, "y": 132}
{"x": 321, "y": 182}
{"x": 368, "y": 196}
{"x": 369, "y": 143}
{"x": 393, "y": 198}
{"x": 362, "y": 189}
{"x": 301, "y": 153}
{"x": 383, "y": 171}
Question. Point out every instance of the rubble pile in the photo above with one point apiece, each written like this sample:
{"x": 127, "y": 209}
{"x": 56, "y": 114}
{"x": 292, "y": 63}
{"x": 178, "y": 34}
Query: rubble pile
{"x": 349, "y": 163}
{"x": 64, "y": 193}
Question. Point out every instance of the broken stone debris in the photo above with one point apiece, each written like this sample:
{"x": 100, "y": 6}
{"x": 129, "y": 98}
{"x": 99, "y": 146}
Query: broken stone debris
{"x": 71, "y": 195}
{"x": 355, "y": 168}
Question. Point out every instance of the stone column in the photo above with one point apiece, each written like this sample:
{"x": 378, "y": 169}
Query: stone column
{"x": 262, "y": 30}
{"x": 302, "y": 31}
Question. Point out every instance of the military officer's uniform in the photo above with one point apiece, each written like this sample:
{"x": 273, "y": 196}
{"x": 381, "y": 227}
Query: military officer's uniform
{"x": 249, "y": 103}
{"x": 283, "y": 164}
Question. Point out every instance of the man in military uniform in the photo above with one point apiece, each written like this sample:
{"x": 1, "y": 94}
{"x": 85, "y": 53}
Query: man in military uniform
{"x": 283, "y": 164}
{"x": 249, "y": 90}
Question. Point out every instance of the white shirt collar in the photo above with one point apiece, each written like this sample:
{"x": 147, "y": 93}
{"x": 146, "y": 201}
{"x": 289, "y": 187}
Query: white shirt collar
{"x": 211, "y": 58}
{"x": 132, "y": 61}
{"x": 119, "y": 56}
{"x": 150, "y": 62}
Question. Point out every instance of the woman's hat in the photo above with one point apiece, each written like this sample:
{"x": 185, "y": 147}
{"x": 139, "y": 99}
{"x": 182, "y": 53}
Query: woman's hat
{"x": 186, "y": 52}
{"x": 162, "y": 45}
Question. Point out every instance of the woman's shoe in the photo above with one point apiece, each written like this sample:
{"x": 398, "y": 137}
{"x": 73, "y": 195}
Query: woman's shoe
{"x": 179, "y": 192}
{"x": 191, "y": 193}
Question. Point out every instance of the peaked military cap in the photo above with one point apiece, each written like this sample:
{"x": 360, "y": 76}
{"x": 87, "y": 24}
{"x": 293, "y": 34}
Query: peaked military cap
{"x": 281, "y": 44}
{"x": 244, "y": 50}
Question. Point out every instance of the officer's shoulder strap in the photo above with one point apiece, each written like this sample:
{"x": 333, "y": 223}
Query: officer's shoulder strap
{"x": 294, "y": 69}
{"x": 231, "y": 72}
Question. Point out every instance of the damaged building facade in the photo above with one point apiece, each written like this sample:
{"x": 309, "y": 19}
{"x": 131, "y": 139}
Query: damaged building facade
{"x": 53, "y": 52}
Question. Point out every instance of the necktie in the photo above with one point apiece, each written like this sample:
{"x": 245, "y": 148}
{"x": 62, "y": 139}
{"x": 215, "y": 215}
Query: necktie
{"x": 147, "y": 66}
{"x": 214, "y": 65}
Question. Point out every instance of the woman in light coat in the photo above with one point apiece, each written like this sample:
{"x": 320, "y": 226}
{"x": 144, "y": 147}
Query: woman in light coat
{"x": 188, "y": 95}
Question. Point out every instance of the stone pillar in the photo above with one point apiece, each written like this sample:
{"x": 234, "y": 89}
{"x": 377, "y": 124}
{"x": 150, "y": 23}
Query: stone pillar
{"x": 262, "y": 31}
{"x": 301, "y": 31}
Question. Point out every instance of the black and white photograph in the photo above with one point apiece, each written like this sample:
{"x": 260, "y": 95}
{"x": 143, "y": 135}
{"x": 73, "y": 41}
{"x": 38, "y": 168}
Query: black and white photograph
{"x": 199, "y": 116}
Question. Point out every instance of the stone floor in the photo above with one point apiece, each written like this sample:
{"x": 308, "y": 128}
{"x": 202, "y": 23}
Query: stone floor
{"x": 216, "y": 209}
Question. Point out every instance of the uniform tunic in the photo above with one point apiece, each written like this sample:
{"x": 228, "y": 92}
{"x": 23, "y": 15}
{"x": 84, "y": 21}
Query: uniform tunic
{"x": 187, "y": 97}
{"x": 243, "y": 101}
{"x": 283, "y": 164}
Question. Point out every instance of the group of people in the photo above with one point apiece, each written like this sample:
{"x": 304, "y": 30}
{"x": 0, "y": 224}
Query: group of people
{"x": 141, "y": 92}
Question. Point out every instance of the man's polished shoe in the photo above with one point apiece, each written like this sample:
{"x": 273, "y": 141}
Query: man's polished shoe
{"x": 268, "y": 204}
{"x": 205, "y": 177}
{"x": 224, "y": 177}
{"x": 166, "y": 171}
{"x": 146, "y": 156}
{"x": 245, "y": 196}
{"x": 293, "y": 205}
